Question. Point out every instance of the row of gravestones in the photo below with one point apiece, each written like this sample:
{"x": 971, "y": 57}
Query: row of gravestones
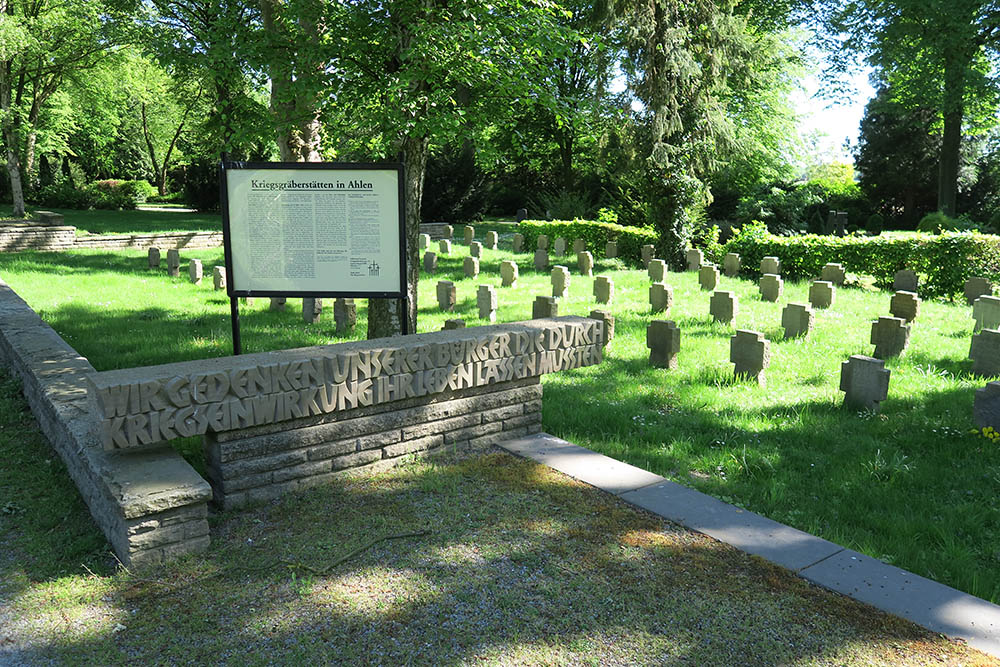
{"x": 345, "y": 312}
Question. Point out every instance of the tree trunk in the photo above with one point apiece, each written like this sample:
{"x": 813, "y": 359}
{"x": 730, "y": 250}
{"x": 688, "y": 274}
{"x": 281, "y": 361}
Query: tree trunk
{"x": 10, "y": 138}
{"x": 29, "y": 156}
{"x": 956, "y": 65}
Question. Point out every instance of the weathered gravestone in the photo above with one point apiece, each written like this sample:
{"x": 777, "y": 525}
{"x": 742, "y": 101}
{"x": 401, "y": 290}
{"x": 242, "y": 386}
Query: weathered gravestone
{"x": 985, "y": 353}
{"x": 345, "y": 314}
{"x": 448, "y": 232}
{"x": 663, "y": 338}
{"x": 661, "y": 297}
{"x": 986, "y": 312}
{"x": 585, "y": 263}
{"x": 611, "y": 249}
{"x": 560, "y": 281}
{"x": 544, "y": 306}
{"x": 731, "y": 264}
{"x": 522, "y": 214}
{"x": 723, "y": 306}
{"x": 822, "y": 293}
{"x": 542, "y": 242}
{"x": 541, "y": 260}
{"x": 986, "y": 406}
{"x": 904, "y": 281}
{"x": 559, "y": 247}
{"x": 453, "y": 324}
{"x": 471, "y": 267}
{"x": 446, "y": 295}
{"x": 656, "y": 269}
{"x": 604, "y": 289}
{"x": 508, "y": 273}
{"x": 518, "y": 242}
{"x": 277, "y": 304}
{"x": 840, "y": 224}
{"x": 219, "y": 277}
{"x": 797, "y": 319}
{"x": 579, "y": 245}
{"x": 751, "y": 354}
{"x": 647, "y": 254}
{"x": 905, "y": 305}
{"x": 470, "y": 234}
{"x": 312, "y": 309}
{"x": 486, "y": 300}
{"x": 444, "y": 247}
{"x": 865, "y": 382}
{"x": 976, "y": 287}
{"x": 475, "y": 249}
{"x": 770, "y": 265}
{"x": 430, "y": 262}
{"x": 173, "y": 263}
{"x": 708, "y": 276}
{"x": 154, "y": 258}
{"x": 695, "y": 258}
{"x": 425, "y": 241}
{"x": 609, "y": 324}
{"x": 492, "y": 240}
{"x": 889, "y": 336}
{"x": 771, "y": 287}
{"x": 833, "y": 273}
{"x": 195, "y": 271}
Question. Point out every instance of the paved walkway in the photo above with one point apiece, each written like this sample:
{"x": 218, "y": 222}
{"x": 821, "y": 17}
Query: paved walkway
{"x": 934, "y": 606}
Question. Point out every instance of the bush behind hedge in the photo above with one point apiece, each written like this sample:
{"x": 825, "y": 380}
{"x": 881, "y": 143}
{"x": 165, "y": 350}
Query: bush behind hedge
{"x": 596, "y": 235}
{"x": 942, "y": 261}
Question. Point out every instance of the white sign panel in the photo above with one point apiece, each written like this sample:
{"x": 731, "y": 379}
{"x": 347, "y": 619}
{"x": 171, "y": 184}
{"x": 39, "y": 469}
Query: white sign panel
{"x": 314, "y": 231}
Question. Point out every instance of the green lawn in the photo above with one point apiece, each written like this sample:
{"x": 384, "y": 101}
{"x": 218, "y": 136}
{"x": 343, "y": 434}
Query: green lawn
{"x": 131, "y": 222}
{"x": 911, "y": 485}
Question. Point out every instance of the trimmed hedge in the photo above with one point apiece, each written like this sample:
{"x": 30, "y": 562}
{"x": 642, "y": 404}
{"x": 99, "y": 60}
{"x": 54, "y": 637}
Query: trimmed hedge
{"x": 942, "y": 261}
{"x": 596, "y": 234}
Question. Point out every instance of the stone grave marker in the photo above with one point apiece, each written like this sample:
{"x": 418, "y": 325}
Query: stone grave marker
{"x": 345, "y": 314}
{"x": 609, "y": 325}
{"x": 543, "y": 242}
{"x": 751, "y": 354}
{"x": 173, "y": 263}
{"x": 522, "y": 214}
{"x": 444, "y": 247}
{"x": 822, "y": 293}
{"x": 986, "y": 311}
{"x": 277, "y": 304}
{"x": 579, "y": 245}
{"x": 656, "y": 269}
{"x": 541, "y": 260}
{"x": 865, "y": 382}
{"x": 449, "y": 232}
{"x": 195, "y": 271}
{"x": 731, "y": 264}
{"x": 453, "y": 324}
{"x": 661, "y": 297}
{"x": 647, "y": 254}
{"x": 905, "y": 305}
{"x": 486, "y": 299}
{"x": 312, "y": 309}
{"x": 723, "y": 306}
{"x": 585, "y": 263}
{"x": 492, "y": 240}
{"x": 976, "y": 287}
{"x": 470, "y": 234}
{"x": 446, "y": 295}
{"x": 154, "y": 258}
{"x": 544, "y": 306}
{"x": 518, "y": 242}
{"x": 560, "y": 281}
{"x": 771, "y": 287}
{"x": 559, "y": 246}
{"x": 708, "y": 276}
{"x": 611, "y": 249}
{"x": 797, "y": 319}
{"x": 430, "y": 262}
{"x": 985, "y": 353}
{"x": 219, "y": 277}
{"x": 840, "y": 224}
{"x": 695, "y": 258}
{"x": 663, "y": 338}
{"x": 904, "y": 280}
{"x": 471, "y": 267}
{"x": 425, "y": 241}
{"x": 986, "y": 406}
{"x": 889, "y": 336}
{"x": 770, "y": 265}
{"x": 604, "y": 289}
{"x": 475, "y": 249}
{"x": 508, "y": 273}
{"x": 833, "y": 273}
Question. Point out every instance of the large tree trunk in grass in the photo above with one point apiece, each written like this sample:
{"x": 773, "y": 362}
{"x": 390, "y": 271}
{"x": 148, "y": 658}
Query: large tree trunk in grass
{"x": 384, "y": 315}
{"x": 10, "y": 134}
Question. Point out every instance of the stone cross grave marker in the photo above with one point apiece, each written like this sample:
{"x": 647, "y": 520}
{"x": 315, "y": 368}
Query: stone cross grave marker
{"x": 865, "y": 382}
{"x": 904, "y": 280}
{"x": 986, "y": 406}
{"x": 470, "y": 234}
{"x": 889, "y": 336}
{"x": 430, "y": 262}
{"x": 277, "y": 304}
{"x": 345, "y": 314}
{"x": 905, "y": 305}
{"x": 840, "y": 224}
{"x": 647, "y": 254}
{"x": 611, "y": 249}
{"x": 446, "y": 295}
{"x": 173, "y": 263}
{"x": 486, "y": 299}
{"x": 425, "y": 241}
{"x": 663, "y": 338}
{"x": 195, "y": 271}
{"x": 661, "y": 297}
{"x": 312, "y": 309}
{"x": 475, "y": 249}
{"x": 508, "y": 273}
{"x": 154, "y": 258}
{"x": 560, "y": 281}
{"x": 219, "y": 277}
{"x": 585, "y": 263}
{"x": 444, "y": 247}
{"x": 986, "y": 311}
{"x": 751, "y": 354}
{"x": 543, "y": 242}
{"x": 518, "y": 242}
{"x": 731, "y": 264}
{"x": 656, "y": 269}
{"x": 833, "y": 273}
{"x": 579, "y": 245}
{"x": 771, "y": 286}
{"x": 770, "y": 265}
{"x": 976, "y": 287}
{"x": 797, "y": 319}
{"x": 695, "y": 258}
{"x": 822, "y": 293}
{"x": 471, "y": 266}
{"x": 492, "y": 240}
{"x": 541, "y": 260}
{"x": 544, "y": 306}
{"x": 724, "y": 306}
{"x": 604, "y": 289}
{"x": 708, "y": 276}
{"x": 559, "y": 247}
{"x": 453, "y": 324}
{"x": 608, "y": 319}
{"x": 985, "y": 353}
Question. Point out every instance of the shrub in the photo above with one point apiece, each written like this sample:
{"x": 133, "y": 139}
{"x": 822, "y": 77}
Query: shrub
{"x": 201, "y": 187}
{"x": 937, "y": 222}
{"x": 874, "y": 224}
{"x": 596, "y": 234}
{"x": 107, "y": 194}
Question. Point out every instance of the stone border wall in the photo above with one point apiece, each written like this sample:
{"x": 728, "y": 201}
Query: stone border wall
{"x": 21, "y": 236}
{"x": 151, "y": 505}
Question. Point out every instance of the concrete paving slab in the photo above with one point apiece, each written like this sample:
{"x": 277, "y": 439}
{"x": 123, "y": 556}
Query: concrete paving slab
{"x": 581, "y": 463}
{"x": 935, "y": 606}
{"x": 743, "y": 529}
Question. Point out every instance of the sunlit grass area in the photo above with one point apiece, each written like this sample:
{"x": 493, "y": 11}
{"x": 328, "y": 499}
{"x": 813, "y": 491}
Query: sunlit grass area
{"x": 130, "y": 222}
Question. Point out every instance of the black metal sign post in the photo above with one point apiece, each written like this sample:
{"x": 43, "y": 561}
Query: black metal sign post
{"x": 291, "y": 229}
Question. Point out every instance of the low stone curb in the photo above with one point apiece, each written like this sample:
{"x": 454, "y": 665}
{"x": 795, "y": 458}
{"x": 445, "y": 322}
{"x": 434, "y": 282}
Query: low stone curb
{"x": 934, "y": 606}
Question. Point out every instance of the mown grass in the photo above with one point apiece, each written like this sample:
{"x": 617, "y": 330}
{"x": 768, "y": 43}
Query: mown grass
{"x": 131, "y": 222}
{"x": 910, "y": 486}
{"x": 489, "y": 561}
